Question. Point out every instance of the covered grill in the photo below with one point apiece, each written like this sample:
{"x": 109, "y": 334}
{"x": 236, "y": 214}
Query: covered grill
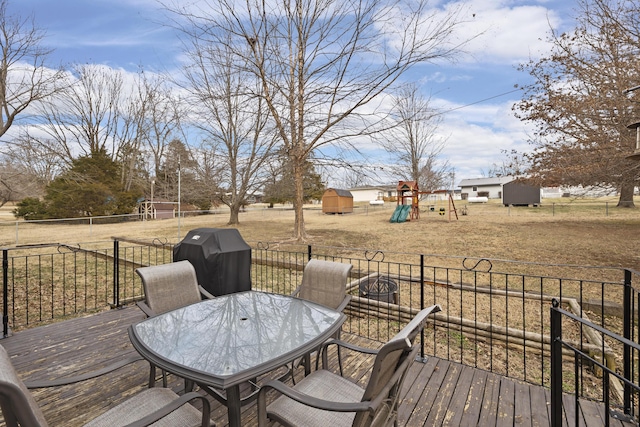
{"x": 221, "y": 258}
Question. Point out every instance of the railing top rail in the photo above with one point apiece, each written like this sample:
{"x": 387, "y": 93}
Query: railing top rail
{"x": 555, "y": 306}
{"x": 268, "y": 245}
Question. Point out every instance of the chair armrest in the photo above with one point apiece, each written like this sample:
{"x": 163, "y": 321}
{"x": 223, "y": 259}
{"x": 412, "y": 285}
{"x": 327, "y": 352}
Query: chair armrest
{"x": 340, "y": 343}
{"x": 83, "y": 377}
{"x": 169, "y": 408}
{"x": 305, "y": 399}
{"x": 344, "y": 303}
{"x": 145, "y": 308}
{"x": 350, "y": 346}
{"x": 205, "y": 293}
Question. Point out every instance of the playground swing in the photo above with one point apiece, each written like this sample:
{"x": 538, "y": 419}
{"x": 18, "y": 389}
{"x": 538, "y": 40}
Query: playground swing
{"x": 435, "y": 203}
{"x": 408, "y": 191}
{"x": 441, "y": 210}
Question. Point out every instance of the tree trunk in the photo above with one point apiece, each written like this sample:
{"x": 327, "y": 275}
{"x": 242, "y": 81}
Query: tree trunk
{"x": 234, "y": 211}
{"x": 298, "y": 170}
{"x": 626, "y": 196}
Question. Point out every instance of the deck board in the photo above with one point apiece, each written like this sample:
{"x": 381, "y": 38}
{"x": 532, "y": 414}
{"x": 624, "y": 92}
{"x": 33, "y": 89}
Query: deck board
{"x": 435, "y": 392}
{"x": 471, "y": 412}
{"x": 440, "y": 404}
{"x": 461, "y": 397}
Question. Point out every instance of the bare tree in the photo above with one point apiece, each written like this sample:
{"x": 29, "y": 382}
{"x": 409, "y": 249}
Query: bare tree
{"x": 84, "y": 118}
{"x": 413, "y": 142}
{"x": 323, "y": 64}
{"x": 578, "y": 101}
{"x": 148, "y": 121}
{"x": 233, "y": 118}
{"x": 24, "y": 76}
{"x": 27, "y": 169}
{"x": 163, "y": 109}
{"x": 16, "y": 182}
{"x": 513, "y": 164}
{"x": 353, "y": 178}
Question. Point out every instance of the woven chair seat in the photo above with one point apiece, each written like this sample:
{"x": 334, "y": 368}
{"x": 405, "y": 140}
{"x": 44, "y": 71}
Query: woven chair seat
{"x": 143, "y": 404}
{"x": 159, "y": 407}
{"x": 323, "y": 385}
{"x": 327, "y": 399}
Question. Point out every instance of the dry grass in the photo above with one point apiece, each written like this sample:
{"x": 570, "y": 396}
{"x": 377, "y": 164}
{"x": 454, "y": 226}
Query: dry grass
{"x": 578, "y": 232}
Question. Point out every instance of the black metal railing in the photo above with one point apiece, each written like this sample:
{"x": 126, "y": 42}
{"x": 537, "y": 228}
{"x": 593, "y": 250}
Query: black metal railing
{"x": 495, "y": 314}
{"x": 586, "y": 369}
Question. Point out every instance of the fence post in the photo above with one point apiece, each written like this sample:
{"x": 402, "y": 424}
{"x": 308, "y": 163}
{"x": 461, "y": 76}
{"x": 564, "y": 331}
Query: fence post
{"x": 627, "y": 324}
{"x": 556, "y": 365}
{"x": 5, "y": 293}
{"x": 116, "y": 273}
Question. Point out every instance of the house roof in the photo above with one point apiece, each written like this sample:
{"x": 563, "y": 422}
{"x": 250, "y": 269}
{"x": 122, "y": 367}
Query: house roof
{"x": 377, "y": 187}
{"x": 486, "y": 181}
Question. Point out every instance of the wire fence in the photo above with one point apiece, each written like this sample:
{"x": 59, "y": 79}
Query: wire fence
{"x": 18, "y": 232}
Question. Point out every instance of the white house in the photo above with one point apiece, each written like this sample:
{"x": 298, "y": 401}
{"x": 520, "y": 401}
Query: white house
{"x": 484, "y": 187}
{"x": 369, "y": 193}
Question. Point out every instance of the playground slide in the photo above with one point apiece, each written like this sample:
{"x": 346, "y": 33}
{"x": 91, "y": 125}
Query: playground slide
{"x": 401, "y": 213}
{"x": 396, "y": 212}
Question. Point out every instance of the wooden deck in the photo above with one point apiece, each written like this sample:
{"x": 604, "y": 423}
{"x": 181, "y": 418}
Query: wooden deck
{"x": 437, "y": 392}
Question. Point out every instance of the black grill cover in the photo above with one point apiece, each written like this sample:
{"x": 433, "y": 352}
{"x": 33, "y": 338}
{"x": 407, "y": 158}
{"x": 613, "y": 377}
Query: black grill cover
{"x": 221, "y": 258}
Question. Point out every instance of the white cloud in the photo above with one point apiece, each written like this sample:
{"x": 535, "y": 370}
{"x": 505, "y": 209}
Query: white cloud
{"x": 506, "y": 31}
{"x": 126, "y": 32}
{"x": 479, "y": 135}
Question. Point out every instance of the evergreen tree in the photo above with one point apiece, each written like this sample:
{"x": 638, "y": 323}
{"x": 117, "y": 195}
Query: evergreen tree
{"x": 30, "y": 208}
{"x": 282, "y": 188}
{"x": 91, "y": 187}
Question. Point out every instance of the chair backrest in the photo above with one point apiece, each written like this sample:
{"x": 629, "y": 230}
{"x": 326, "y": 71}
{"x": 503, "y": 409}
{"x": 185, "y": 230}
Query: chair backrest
{"x": 389, "y": 369}
{"x": 18, "y": 405}
{"x": 169, "y": 286}
{"x": 325, "y": 282}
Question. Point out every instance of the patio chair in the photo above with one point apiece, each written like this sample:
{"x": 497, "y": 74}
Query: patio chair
{"x": 167, "y": 287}
{"x": 154, "y": 405}
{"x": 327, "y": 399}
{"x": 325, "y": 283}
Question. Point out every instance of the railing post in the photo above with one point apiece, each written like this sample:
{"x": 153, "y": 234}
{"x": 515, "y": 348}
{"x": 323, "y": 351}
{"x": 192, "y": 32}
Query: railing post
{"x": 308, "y": 252}
{"x": 116, "y": 273}
{"x": 627, "y": 324}
{"x": 5, "y": 293}
{"x": 422, "y": 303}
{"x": 556, "y": 365}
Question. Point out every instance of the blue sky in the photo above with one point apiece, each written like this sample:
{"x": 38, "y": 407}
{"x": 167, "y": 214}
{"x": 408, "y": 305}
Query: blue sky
{"x": 475, "y": 93}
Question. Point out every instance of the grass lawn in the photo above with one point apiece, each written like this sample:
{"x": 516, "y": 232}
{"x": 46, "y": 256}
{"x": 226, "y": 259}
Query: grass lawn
{"x": 561, "y": 231}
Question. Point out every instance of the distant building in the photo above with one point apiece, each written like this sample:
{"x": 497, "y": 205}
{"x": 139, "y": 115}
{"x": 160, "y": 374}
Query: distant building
{"x": 337, "y": 201}
{"x": 507, "y": 188}
{"x": 369, "y": 193}
{"x": 553, "y": 193}
{"x": 158, "y": 209}
{"x": 490, "y": 188}
{"x": 519, "y": 193}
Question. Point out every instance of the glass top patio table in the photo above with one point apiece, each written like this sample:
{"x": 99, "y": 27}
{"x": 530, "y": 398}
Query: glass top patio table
{"x": 225, "y": 341}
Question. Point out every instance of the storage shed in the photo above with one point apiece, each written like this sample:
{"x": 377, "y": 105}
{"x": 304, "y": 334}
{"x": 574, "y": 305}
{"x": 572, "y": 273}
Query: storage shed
{"x": 337, "y": 201}
{"x": 519, "y": 193}
{"x": 157, "y": 209}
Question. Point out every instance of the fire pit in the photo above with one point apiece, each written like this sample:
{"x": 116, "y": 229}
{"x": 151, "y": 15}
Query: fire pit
{"x": 380, "y": 288}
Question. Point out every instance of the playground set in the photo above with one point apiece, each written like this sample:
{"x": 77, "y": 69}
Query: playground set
{"x": 408, "y": 199}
